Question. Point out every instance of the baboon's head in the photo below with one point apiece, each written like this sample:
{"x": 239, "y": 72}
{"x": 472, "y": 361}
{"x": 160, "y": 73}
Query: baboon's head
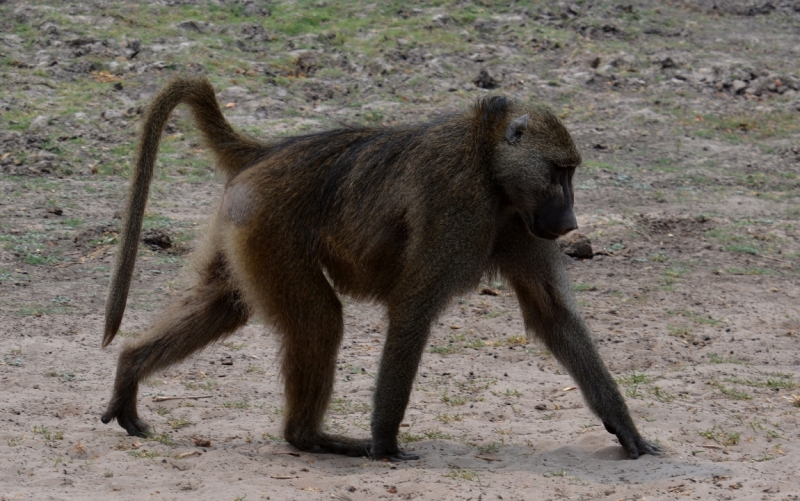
{"x": 534, "y": 163}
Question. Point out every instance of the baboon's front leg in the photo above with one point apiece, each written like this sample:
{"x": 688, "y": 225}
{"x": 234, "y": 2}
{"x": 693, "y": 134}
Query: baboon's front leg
{"x": 534, "y": 268}
{"x": 207, "y": 313}
{"x": 409, "y": 327}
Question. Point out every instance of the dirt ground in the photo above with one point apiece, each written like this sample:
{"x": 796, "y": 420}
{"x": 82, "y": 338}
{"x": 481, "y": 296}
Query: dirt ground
{"x": 686, "y": 113}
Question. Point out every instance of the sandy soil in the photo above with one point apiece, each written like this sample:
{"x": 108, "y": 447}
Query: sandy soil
{"x": 687, "y": 117}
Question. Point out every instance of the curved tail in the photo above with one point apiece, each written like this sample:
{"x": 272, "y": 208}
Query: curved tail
{"x": 233, "y": 153}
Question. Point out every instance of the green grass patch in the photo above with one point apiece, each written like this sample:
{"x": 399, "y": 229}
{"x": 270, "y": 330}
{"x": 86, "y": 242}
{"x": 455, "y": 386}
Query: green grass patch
{"x": 341, "y": 405}
{"x": 750, "y": 271}
{"x": 453, "y": 400}
{"x": 742, "y": 249}
{"x": 491, "y": 448}
{"x": 237, "y": 404}
{"x": 714, "y": 358}
{"x": 731, "y": 392}
{"x": 774, "y": 383}
{"x": 462, "y": 474}
{"x": 720, "y": 436}
{"x": 696, "y": 317}
{"x": 205, "y": 385}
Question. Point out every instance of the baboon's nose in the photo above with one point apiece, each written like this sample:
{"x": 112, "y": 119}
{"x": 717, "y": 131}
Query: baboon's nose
{"x": 568, "y": 223}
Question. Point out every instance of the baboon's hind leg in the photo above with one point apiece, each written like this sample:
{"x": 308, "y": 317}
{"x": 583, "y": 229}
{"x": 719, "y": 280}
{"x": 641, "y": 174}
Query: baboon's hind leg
{"x": 209, "y": 310}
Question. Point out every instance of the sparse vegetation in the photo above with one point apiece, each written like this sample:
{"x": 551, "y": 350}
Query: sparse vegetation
{"x": 720, "y": 436}
{"x": 462, "y": 474}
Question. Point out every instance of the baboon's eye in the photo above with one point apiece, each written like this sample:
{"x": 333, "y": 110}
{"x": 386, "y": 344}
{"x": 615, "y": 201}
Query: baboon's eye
{"x": 555, "y": 172}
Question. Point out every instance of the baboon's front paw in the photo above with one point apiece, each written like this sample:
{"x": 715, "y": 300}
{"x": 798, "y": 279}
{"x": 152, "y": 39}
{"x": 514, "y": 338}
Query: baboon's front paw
{"x": 643, "y": 446}
{"x": 633, "y": 443}
{"x": 130, "y": 421}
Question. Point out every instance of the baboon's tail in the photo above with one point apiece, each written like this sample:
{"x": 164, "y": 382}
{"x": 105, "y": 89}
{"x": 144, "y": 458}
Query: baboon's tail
{"x": 233, "y": 153}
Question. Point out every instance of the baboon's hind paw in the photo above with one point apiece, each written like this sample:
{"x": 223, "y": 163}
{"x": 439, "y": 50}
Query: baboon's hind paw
{"x": 398, "y": 457}
{"x": 333, "y": 444}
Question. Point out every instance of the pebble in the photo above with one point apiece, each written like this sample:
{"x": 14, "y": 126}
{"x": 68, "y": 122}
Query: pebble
{"x": 112, "y": 114}
{"x": 39, "y": 122}
{"x": 738, "y": 86}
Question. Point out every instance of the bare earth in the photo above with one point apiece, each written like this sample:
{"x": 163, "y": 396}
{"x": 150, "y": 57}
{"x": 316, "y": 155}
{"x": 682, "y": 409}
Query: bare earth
{"x": 687, "y": 117}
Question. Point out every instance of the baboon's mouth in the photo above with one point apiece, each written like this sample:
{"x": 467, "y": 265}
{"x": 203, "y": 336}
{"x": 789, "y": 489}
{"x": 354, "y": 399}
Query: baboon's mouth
{"x": 538, "y": 230}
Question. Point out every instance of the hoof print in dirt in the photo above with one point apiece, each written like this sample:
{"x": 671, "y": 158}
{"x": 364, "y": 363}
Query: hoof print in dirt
{"x": 576, "y": 245}
{"x": 157, "y": 239}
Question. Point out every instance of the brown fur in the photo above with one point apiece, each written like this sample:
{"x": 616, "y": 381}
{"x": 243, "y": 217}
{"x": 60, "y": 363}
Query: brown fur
{"x": 408, "y": 216}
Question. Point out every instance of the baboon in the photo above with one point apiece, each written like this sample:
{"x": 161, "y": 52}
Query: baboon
{"x": 408, "y": 216}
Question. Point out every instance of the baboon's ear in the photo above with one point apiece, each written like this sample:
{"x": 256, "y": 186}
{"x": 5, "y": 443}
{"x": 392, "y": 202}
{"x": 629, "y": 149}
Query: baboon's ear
{"x": 515, "y": 129}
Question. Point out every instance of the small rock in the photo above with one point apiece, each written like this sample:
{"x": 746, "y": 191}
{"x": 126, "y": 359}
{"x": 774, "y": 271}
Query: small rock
{"x": 540, "y": 407}
{"x": 442, "y": 19}
{"x": 261, "y": 112}
{"x": 758, "y": 86}
{"x": 131, "y": 47}
{"x": 233, "y": 93}
{"x": 483, "y": 24}
{"x": 667, "y": 62}
{"x": 191, "y": 25}
{"x": 227, "y": 360}
{"x": 112, "y": 114}
{"x": 576, "y": 245}
{"x": 39, "y": 123}
{"x": 49, "y": 29}
{"x": 738, "y": 86}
